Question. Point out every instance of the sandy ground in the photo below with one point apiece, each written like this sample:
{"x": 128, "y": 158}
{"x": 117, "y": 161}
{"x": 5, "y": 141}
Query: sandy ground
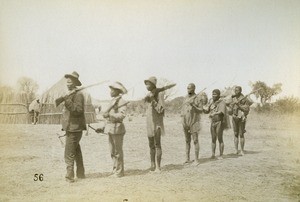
{"x": 270, "y": 170}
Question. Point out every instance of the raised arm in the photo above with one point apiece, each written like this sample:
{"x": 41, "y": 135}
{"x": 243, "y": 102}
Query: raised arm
{"x": 166, "y": 87}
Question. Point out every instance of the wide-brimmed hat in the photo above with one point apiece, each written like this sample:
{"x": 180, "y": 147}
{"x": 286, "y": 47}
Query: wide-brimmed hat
{"x": 119, "y": 86}
{"x": 152, "y": 80}
{"x": 75, "y": 77}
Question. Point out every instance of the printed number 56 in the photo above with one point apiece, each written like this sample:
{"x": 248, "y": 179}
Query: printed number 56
{"x": 38, "y": 177}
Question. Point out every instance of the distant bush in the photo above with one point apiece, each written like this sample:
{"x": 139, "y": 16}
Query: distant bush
{"x": 139, "y": 106}
{"x": 287, "y": 105}
{"x": 263, "y": 108}
{"x": 284, "y": 105}
{"x": 174, "y": 106}
{"x": 136, "y": 107}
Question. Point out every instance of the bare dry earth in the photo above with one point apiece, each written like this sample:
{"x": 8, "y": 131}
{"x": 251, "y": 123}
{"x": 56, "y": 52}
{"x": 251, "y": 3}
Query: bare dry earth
{"x": 270, "y": 170}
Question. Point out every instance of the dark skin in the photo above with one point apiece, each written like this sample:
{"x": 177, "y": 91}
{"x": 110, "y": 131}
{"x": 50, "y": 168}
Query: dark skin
{"x": 113, "y": 93}
{"x": 237, "y": 92}
{"x": 152, "y": 98}
{"x": 70, "y": 84}
{"x": 191, "y": 91}
{"x": 152, "y": 88}
{"x": 215, "y": 98}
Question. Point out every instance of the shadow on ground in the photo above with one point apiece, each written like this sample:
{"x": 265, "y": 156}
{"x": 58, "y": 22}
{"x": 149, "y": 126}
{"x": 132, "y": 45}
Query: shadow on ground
{"x": 168, "y": 167}
{"x": 98, "y": 175}
{"x": 133, "y": 172}
{"x": 252, "y": 152}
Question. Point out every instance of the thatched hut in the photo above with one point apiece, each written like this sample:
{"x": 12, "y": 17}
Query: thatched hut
{"x": 50, "y": 114}
{"x": 13, "y": 107}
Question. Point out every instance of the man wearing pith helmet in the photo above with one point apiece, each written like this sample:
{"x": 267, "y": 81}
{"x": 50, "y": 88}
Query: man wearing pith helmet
{"x": 73, "y": 123}
{"x": 155, "y": 125}
{"x": 115, "y": 127}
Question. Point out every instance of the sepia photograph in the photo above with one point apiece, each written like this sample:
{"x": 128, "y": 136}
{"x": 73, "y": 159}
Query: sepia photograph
{"x": 150, "y": 101}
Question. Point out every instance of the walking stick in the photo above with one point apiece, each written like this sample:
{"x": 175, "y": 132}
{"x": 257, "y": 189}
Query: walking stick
{"x": 61, "y": 142}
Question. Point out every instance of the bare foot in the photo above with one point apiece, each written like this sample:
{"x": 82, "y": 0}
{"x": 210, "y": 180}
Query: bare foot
{"x": 70, "y": 180}
{"x": 236, "y": 152}
{"x": 220, "y": 157}
{"x": 242, "y": 153}
{"x": 196, "y": 162}
{"x": 188, "y": 162}
{"x": 152, "y": 169}
{"x": 157, "y": 170}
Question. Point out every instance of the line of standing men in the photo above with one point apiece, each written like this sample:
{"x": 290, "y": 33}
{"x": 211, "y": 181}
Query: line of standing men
{"x": 74, "y": 123}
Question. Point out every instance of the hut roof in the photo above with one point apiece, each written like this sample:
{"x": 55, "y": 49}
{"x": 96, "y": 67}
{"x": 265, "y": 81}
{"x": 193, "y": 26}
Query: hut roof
{"x": 60, "y": 89}
{"x": 51, "y": 114}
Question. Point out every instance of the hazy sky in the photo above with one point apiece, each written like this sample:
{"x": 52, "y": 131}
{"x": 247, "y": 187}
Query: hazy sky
{"x": 232, "y": 42}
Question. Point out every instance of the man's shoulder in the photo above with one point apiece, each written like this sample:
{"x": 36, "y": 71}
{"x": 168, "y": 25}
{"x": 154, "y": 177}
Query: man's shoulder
{"x": 240, "y": 97}
{"x": 79, "y": 94}
{"x": 186, "y": 97}
{"x": 221, "y": 102}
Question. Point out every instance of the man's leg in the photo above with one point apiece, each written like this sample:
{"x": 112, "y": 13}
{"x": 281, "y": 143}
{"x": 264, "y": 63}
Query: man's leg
{"x": 213, "y": 140}
{"x": 70, "y": 153}
{"x": 196, "y": 146}
{"x": 187, "y": 145}
{"x": 36, "y": 115}
{"x": 241, "y": 133}
{"x": 32, "y": 116}
{"x": 112, "y": 148}
{"x": 119, "y": 155}
{"x": 152, "y": 152}
{"x": 157, "y": 143}
{"x": 78, "y": 158}
{"x": 219, "y": 131}
{"x": 236, "y": 134}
